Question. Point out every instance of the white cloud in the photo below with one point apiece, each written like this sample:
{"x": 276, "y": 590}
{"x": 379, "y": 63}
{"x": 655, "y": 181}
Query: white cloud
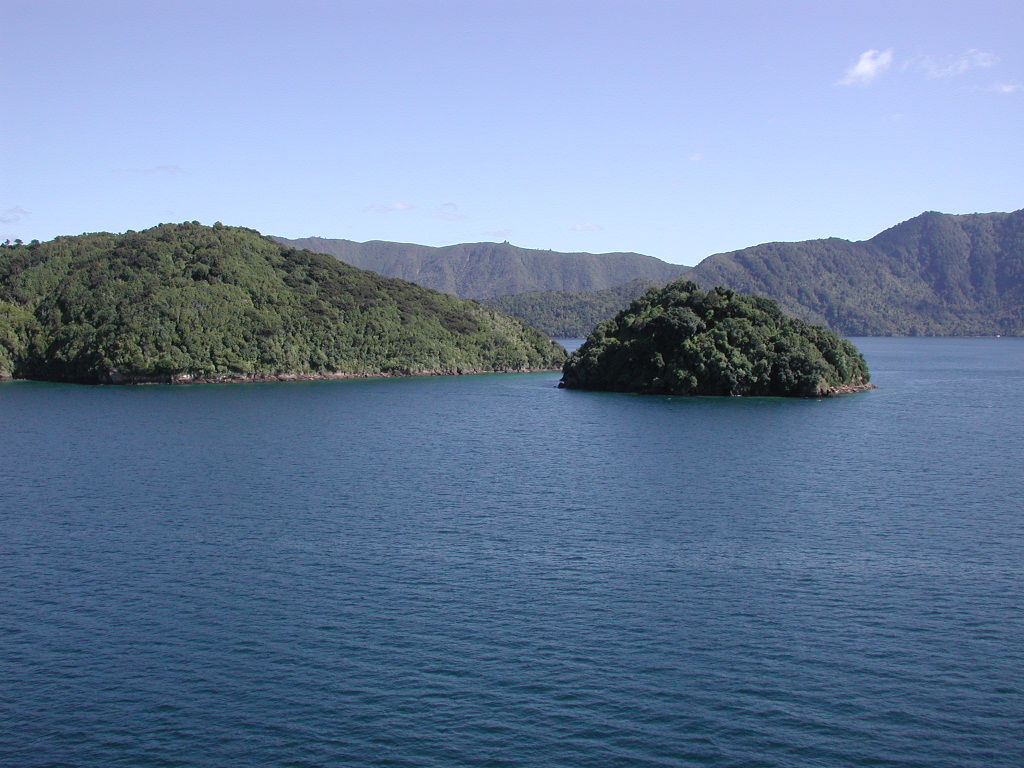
{"x": 951, "y": 66}
{"x": 1006, "y": 87}
{"x": 869, "y": 66}
{"x": 381, "y": 208}
{"x": 447, "y": 212}
{"x": 587, "y": 227}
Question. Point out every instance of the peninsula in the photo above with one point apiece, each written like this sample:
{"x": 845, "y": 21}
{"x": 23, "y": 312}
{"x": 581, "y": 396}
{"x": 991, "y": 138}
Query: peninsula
{"x": 192, "y": 303}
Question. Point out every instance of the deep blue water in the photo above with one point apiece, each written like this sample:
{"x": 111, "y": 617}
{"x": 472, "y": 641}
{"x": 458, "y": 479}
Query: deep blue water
{"x": 490, "y": 571}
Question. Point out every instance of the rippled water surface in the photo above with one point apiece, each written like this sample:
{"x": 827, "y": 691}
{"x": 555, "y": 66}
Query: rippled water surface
{"x": 490, "y": 571}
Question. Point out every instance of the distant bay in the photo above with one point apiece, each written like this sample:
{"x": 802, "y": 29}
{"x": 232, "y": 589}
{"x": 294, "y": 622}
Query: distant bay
{"x": 490, "y": 571}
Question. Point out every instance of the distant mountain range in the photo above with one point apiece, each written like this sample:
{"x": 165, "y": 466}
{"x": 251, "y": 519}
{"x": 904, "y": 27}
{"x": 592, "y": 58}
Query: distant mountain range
{"x": 488, "y": 270}
{"x": 936, "y": 274}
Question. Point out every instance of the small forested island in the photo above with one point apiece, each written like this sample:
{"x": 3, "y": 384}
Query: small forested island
{"x": 191, "y": 303}
{"x": 681, "y": 340}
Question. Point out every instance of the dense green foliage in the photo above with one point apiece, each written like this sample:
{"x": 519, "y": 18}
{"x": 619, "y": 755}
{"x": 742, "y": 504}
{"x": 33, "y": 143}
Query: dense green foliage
{"x": 487, "y": 270}
{"x": 681, "y": 340}
{"x": 571, "y": 315}
{"x": 185, "y": 301}
{"x": 934, "y": 275}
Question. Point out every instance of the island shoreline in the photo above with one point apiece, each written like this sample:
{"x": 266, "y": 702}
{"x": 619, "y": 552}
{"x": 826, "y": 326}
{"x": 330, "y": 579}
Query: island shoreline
{"x": 117, "y": 379}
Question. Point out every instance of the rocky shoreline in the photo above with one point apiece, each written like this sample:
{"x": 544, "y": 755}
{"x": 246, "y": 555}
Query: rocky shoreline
{"x": 847, "y": 389}
{"x": 117, "y": 378}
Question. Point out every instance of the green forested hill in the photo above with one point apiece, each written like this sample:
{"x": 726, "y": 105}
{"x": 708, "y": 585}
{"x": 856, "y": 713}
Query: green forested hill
{"x": 185, "y": 302}
{"x": 682, "y": 340}
{"x": 571, "y": 315}
{"x": 936, "y": 274}
{"x": 487, "y": 270}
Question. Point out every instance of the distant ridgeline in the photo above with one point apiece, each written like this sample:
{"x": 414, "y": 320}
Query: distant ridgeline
{"x": 681, "y": 340}
{"x": 488, "y": 270}
{"x": 186, "y": 302}
{"x": 937, "y": 274}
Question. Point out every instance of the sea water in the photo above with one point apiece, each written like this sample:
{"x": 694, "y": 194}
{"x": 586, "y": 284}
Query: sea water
{"x": 491, "y": 571}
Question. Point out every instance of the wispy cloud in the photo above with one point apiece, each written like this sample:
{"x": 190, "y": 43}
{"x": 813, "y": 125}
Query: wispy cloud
{"x": 587, "y": 227}
{"x": 165, "y": 170}
{"x": 868, "y": 68}
{"x": 952, "y": 66}
{"x": 496, "y": 233}
{"x": 1006, "y": 87}
{"x": 447, "y": 212}
{"x": 392, "y": 208}
{"x": 156, "y": 170}
{"x": 12, "y": 215}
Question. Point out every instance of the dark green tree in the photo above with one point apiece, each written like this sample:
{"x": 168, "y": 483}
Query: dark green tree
{"x": 682, "y": 340}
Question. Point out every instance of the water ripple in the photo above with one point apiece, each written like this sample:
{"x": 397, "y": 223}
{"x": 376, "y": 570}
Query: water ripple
{"x": 488, "y": 571}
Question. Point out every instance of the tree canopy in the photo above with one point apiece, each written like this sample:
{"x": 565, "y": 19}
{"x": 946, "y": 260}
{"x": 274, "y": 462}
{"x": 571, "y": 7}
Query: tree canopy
{"x": 571, "y": 315}
{"x": 682, "y": 340}
{"x": 187, "y": 301}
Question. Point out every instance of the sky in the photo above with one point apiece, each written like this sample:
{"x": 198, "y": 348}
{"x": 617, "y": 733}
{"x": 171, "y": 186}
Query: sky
{"x": 676, "y": 129}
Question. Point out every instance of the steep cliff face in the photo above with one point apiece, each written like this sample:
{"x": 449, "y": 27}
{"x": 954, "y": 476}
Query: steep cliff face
{"x": 186, "y": 302}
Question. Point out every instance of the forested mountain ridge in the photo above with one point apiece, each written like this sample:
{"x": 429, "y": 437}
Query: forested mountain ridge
{"x": 936, "y": 274}
{"x": 185, "y": 302}
{"x": 488, "y": 270}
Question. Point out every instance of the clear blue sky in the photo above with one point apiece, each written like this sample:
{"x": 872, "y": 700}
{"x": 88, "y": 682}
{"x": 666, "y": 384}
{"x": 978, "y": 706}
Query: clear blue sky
{"x": 675, "y": 129}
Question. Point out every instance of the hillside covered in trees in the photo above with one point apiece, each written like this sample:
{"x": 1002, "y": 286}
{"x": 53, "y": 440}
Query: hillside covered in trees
{"x": 936, "y": 275}
{"x": 487, "y": 270}
{"x": 684, "y": 341}
{"x": 571, "y": 315}
{"x": 186, "y": 302}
